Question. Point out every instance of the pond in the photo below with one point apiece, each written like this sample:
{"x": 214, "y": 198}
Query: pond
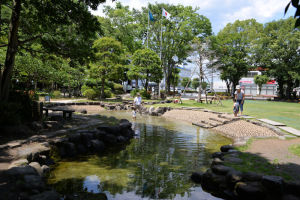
{"x": 157, "y": 163}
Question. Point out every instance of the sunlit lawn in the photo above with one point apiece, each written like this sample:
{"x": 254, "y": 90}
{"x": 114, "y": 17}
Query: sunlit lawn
{"x": 287, "y": 113}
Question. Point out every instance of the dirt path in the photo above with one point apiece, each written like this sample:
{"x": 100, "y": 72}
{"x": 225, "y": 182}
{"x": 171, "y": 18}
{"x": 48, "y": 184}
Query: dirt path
{"x": 275, "y": 150}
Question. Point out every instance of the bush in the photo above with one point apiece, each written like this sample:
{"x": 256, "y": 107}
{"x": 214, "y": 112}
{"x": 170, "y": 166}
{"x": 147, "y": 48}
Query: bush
{"x": 118, "y": 88}
{"x": 107, "y": 93}
{"x": 56, "y": 94}
{"x": 90, "y": 93}
{"x": 146, "y": 94}
{"x": 134, "y": 92}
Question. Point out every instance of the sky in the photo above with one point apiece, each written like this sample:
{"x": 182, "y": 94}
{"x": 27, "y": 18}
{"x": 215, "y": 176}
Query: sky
{"x": 221, "y": 12}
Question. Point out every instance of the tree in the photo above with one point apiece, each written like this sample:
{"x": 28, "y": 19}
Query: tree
{"x": 277, "y": 51}
{"x": 195, "y": 83}
{"x": 175, "y": 78}
{"x": 260, "y": 80}
{"x": 107, "y": 60}
{"x": 71, "y": 33}
{"x": 147, "y": 64}
{"x": 178, "y": 32}
{"x": 233, "y": 46}
{"x": 186, "y": 82}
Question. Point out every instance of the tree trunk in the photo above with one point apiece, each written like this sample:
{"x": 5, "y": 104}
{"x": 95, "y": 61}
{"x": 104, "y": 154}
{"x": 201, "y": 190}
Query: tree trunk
{"x": 12, "y": 48}
{"x": 102, "y": 88}
{"x": 280, "y": 87}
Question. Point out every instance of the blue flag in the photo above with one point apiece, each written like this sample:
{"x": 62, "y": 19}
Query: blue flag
{"x": 151, "y": 16}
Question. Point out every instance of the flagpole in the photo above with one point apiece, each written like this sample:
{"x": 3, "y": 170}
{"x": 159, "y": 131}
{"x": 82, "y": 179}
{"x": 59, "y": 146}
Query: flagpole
{"x": 148, "y": 27}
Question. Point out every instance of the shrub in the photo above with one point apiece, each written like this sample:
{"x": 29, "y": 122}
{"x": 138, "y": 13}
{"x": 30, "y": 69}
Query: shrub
{"x": 134, "y": 92}
{"x": 107, "y": 93}
{"x": 90, "y": 93}
{"x": 146, "y": 94}
{"x": 56, "y": 94}
{"x": 118, "y": 88}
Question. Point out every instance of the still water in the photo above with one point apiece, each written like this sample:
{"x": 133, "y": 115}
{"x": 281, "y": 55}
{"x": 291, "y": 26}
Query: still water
{"x": 157, "y": 163}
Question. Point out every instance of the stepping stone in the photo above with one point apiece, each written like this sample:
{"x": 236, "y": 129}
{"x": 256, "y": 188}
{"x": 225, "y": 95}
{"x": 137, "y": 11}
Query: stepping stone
{"x": 271, "y": 122}
{"x": 247, "y": 117}
{"x": 291, "y": 130}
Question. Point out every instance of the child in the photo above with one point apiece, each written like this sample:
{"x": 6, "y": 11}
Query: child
{"x": 133, "y": 113}
{"x": 235, "y": 107}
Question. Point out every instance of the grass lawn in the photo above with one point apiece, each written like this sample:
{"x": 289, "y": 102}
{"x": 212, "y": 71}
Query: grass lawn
{"x": 287, "y": 113}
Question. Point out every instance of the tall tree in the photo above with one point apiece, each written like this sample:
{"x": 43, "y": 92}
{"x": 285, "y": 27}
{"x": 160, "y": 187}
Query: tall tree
{"x": 260, "y": 80}
{"x": 147, "y": 64}
{"x": 107, "y": 61}
{"x": 71, "y": 32}
{"x": 277, "y": 50}
{"x": 233, "y": 45}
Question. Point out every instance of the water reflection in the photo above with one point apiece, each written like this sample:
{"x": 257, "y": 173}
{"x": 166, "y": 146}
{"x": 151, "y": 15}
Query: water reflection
{"x": 156, "y": 165}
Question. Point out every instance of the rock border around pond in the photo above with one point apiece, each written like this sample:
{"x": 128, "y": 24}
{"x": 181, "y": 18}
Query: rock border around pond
{"x": 228, "y": 183}
{"x": 25, "y": 178}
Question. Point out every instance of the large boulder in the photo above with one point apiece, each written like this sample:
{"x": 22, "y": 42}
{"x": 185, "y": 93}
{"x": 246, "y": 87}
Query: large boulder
{"x": 47, "y": 195}
{"x": 110, "y": 139}
{"x": 273, "y": 183}
{"x": 226, "y": 148}
{"x": 249, "y": 190}
{"x": 37, "y": 167}
{"x": 115, "y": 130}
{"x": 221, "y": 169}
{"x": 196, "y": 177}
{"x": 67, "y": 149}
{"x": 292, "y": 187}
{"x": 21, "y": 171}
{"x": 232, "y": 177}
{"x": 75, "y": 138}
{"x": 32, "y": 182}
{"x": 97, "y": 145}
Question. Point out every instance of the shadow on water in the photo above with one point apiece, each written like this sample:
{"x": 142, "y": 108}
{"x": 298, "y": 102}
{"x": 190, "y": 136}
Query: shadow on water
{"x": 157, "y": 164}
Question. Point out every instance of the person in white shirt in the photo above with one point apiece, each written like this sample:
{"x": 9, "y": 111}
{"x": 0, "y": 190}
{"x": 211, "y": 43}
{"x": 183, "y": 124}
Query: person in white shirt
{"x": 239, "y": 97}
{"x": 137, "y": 102}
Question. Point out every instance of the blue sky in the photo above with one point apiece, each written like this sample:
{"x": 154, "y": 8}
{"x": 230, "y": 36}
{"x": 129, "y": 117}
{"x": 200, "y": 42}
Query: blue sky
{"x": 221, "y": 12}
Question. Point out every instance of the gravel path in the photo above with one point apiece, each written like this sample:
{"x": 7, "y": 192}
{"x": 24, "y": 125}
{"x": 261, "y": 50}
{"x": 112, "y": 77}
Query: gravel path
{"x": 235, "y": 130}
{"x": 242, "y": 129}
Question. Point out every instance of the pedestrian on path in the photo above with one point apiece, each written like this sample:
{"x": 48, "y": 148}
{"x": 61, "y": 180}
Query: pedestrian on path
{"x": 239, "y": 96}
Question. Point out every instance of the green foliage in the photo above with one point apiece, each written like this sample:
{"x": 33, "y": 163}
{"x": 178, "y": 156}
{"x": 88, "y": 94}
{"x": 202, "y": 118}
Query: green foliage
{"x": 260, "y": 80}
{"x": 146, "y": 66}
{"x": 56, "y": 94}
{"x": 195, "y": 83}
{"x": 185, "y": 82}
{"x": 204, "y": 85}
{"x": 295, "y": 149}
{"x": 108, "y": 93}
{"x": 134, "y": 92}
{"x": 146, "y": 94}
{"x": 118, "y": 88}
{"x": 90, "y": 93}
{"x": 233, "y": 46}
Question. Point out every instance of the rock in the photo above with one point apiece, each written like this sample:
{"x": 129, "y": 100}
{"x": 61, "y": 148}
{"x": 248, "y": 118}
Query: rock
{"x": 273, "y": 183}
{"x": 110, "y": 139}
{"x": 45, "y": 169}
{"x": 290, "y": 197}
{"x": 81, "y": 149}
{"x": 36, "y": 126}
{"x": 21, "y": 171}
{"x": 115, "y": 130}
{"x": 252, "y": 176}
{"x": 249, "y": 190}
{"x": 217, "y": 161}
{"x": 86, "y": 139}
{"x": 196, "y": 177}
{"x": 83, "y": 111}
{"x": 121, "y": 139}
{"x": 18, "y": 163}
{"x": 32, "y": 182}
{"x": 37, "y": 167}
{"x": 221, "y": 169}
{"x": 47, "y": 195}
{"x": 230, "y": 159}
{"x": 67, "y": 150}
{"x": 226, "y": 148}
{"x": 217, "y": 155}
{"x": 75, "y": 138}
{"x": 212, "y": 182}
{"x": 232, "y": 177}
{"x": 97, "y": 145}
{"x": 292, "y": 187}
{"x": 151, "y": 110}
{"x": 125, "y": 125}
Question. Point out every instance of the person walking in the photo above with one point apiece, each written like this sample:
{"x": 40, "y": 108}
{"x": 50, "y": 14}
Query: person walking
{"x": 240, "y": 97}
{"x": 137, "y": 102}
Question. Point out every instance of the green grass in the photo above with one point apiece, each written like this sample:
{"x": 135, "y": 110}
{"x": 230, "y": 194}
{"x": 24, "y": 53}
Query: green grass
{"x": 284, "y": 112}
{"x": 257, "y": 164}
{"x": 295, "y": 149}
